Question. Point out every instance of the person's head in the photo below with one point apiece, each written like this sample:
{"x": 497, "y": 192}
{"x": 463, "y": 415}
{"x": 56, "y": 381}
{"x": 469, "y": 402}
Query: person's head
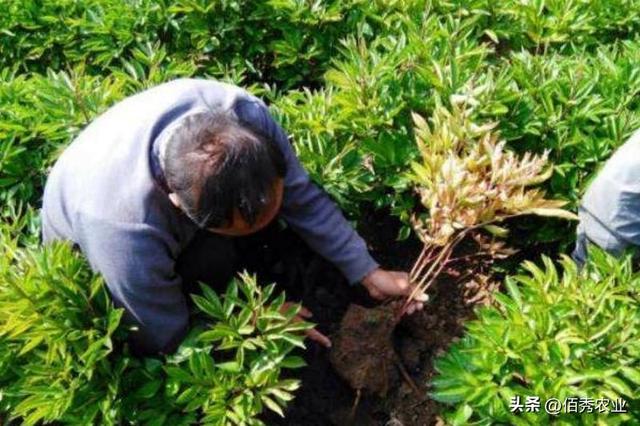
{"x": 226, "y": 178}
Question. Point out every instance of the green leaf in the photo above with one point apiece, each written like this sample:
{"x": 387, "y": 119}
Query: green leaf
{"x": 272, "y": 405}
{"x": 462, "y": 415}
{"x": 619, "y": 386}
{"x": 32, "y": 344}
{"x": 492, "y": 35}
{"x": 230, "y": 367}
{"x": 293, "y": 362}
{"x": 498, "y": 231}
{"x": 514, "y": 292}
{"x": 179, "y": 374}
{"x": 632, "y": 374}
{"x": 207, "y": 307}
{"x": 149, "y": 389}
{"x": 450, "y": 395}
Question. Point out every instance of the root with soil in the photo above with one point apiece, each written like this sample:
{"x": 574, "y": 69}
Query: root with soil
{"x": 363, "y": 353}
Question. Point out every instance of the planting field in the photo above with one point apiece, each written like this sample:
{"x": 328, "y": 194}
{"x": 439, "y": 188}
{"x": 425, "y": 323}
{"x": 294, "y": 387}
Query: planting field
{"x": 457, "y": 136}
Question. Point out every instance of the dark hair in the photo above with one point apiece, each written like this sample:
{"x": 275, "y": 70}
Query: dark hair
{"x": 215, "y": 165}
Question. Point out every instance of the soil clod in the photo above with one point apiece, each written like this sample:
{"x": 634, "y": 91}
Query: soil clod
{"x": 362, "y": 352}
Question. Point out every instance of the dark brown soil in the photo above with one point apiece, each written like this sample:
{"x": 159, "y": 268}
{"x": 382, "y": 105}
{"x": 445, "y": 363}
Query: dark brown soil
{"x": 362, "y": 352}
{"x": 365, "y": 355}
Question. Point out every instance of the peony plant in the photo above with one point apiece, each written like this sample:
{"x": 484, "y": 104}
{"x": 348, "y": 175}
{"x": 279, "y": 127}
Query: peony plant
{"x": 467, "y": 180}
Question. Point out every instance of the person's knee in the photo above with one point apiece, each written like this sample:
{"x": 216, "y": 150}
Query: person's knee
{"x": 209, "y": 258}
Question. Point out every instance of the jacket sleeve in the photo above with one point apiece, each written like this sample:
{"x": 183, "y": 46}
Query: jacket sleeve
{"x": 138, "y": 268}
{"x": 306, "y": 208}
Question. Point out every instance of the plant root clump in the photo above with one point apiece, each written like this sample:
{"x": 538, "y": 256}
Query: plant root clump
{"x": 362, "y": 352}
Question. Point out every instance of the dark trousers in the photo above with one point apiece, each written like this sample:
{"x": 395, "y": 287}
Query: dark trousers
{"x": 209, "y": 258}
{"x": 275, "y": 254}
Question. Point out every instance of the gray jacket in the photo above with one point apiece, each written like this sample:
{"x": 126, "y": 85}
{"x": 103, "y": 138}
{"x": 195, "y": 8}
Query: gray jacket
{"x": 102, "y": 195}
{"x": 610, "y": 209}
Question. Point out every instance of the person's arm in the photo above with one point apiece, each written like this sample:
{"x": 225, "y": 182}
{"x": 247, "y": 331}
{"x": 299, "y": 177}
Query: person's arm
{"x": 310, "y": 212}
{"x": 139, "y": 272}
{"x": 308, "y": 209}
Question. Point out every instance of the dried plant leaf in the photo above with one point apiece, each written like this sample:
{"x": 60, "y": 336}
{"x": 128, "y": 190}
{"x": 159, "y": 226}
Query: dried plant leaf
{"x": 550, "y": 212}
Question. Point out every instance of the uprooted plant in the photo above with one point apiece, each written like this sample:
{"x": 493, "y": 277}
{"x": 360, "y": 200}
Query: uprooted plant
{"x": 467, "y": 182}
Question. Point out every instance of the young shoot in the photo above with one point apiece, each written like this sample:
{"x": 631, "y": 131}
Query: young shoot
{"x": 467, "y": 180}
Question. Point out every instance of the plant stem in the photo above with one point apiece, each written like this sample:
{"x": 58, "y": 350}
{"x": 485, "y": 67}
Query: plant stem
{"x": 418, "y": 260}
{"x": 424, "y": 281}
{"x": 434, "y": 270}
{"x": 425, "y": 257}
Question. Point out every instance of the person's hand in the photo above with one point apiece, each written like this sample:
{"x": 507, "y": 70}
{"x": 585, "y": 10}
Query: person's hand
{"x": 382, "y": 284}
{"x": 312, "y": 333}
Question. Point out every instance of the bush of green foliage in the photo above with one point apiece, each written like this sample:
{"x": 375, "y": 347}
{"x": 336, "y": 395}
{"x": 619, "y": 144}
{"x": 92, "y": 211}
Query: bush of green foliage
{"x": 64, "y": 357}
{"x": 286, "y": 42}
{"x": 558, "y": 333}
{"x": 343, "y": 78}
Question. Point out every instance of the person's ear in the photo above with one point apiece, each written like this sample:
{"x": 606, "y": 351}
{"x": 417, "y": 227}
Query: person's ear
{"x": 174, "y": 199}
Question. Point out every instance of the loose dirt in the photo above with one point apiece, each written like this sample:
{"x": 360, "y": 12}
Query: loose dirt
{"x": 369, "y": 350}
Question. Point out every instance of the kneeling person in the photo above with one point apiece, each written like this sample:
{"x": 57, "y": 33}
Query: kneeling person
{"x": 187, "y": 162}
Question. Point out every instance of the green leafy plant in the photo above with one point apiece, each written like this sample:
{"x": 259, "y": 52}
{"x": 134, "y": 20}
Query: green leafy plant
{"x": 558, "y": 332}
{"x": 228, "y": 370}
{"x": 57, "y": 331}
{"x": 580, "y": 108}
{"x": 548, "y": 24}
{"x": 254, "y": 334}
{"x": 40, "y": 115}
{"x": 283, "y": 41}
{"x": 64, "y": 358}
